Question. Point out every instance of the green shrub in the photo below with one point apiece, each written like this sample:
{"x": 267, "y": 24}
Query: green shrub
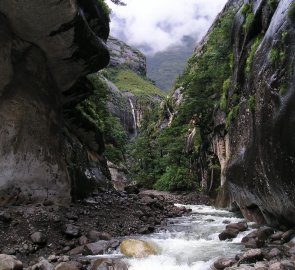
{"x": 274, "y": 56}
{"x": 291, "y": 12}
{"x": 246, "y": 9}
{"x": 105, "y": 8}
{"x": 254, "y": 47}
{"x": 225, "y": 88}
{"x": 232, "y": 115}
{"x": 251, "y": 103}
{"x": 175, "y": 179}
{"x": 249, "y": 22}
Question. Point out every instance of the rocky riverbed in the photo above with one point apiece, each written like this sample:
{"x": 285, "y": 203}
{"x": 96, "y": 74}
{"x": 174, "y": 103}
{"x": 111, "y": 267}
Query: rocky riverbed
{"x": 31, "y": 232}
{"x": 48, "y": 237}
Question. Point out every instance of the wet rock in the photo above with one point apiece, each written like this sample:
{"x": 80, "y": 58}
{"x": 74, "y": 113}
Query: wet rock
{"x": 8, "y": 262}
{"x": 251, "y": 256}
{"x": 276, "y": 236}
{"x": 109, "y": 264}
{"x": 96, "y": 248}
{"x": 72, "y": 230}
{"x": 228, "y": 234}
{"x": 254, "y": 243}
{"x": 261, "y": 266}
{"x": 146, "y": 230}
{"x": 283, "y": 265}
{"x": 223, "y": 263}
{"x": 287, "y": 236}
{"x": 77, "y": 250}
{"x": 273, "y": 253}
{"x": 137, "y": 248}
{"x": 241, "y": 226}
{"x": 66, "y": 266}
{"x": 38, "y": 238}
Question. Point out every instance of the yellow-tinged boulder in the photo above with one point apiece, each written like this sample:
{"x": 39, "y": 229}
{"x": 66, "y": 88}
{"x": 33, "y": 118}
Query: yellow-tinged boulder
{"x": 137, "y": 248}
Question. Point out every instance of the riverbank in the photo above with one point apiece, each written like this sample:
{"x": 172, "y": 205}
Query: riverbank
{"x": 40, "y": 230}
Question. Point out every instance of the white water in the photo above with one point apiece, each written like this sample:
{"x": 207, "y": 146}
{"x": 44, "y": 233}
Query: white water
{"x": 191, "y": 242}
{"x": 134, "y": 117}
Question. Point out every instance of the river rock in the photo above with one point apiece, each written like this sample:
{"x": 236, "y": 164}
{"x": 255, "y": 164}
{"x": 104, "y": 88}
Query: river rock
{"x": 99, "y": 247}
{"x": 109, "y": 264}
{"x": 66, "y": 266}
{"x": 251, "y": 256}
{"x": 137, "y": 248}
{"x": 72, "y": 230}
{"x": 276, "y": 236}
{"x": 77, "y": 250}
{"x": 228, "y": 234}
{"x": 287, "y": 236}
{"x": 254, "y": 243}
{"x": 38, "y": 238}
{"x": 274, "y": 252}
{"x": 282, "y": 265}
{"x": 42, "y": 265}
{"x": 8, "y": 262}
{"x": 241, "y": 226}
{"x": 223, "y": 263}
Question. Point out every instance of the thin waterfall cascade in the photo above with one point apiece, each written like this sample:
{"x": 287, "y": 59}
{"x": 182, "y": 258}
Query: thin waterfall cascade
{"x": 134, "y": 116}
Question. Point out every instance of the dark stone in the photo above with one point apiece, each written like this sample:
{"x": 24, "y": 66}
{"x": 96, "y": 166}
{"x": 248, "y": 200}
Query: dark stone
{"x": 39, "y": 238}
{"x": 228, "y": 234}
{"x": 72, "y": 230}
{"x": 223, "y": 263}
{"x": 241, "y": 226}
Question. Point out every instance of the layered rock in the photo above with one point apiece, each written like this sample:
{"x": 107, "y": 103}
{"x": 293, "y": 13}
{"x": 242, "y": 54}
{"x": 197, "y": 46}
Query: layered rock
{"x": 46, "y": 50}
{"x": 124, "y": 55}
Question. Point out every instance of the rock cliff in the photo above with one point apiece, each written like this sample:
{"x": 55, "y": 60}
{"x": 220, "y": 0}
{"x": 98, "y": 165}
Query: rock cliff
{"x": 47, "y": 48}
{"x": 258, "y": 149}
{"x": 124, "y": 55}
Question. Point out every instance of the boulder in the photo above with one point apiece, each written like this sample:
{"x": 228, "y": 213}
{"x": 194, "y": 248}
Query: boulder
{"x": 38, "y": 238}
{"x": 94, "y": 235}
{"x": 251, "y": 256}
{"x": 99, "y": 247}
{"x": 287, "y": 236}
{"x": 276, "y": 236}
{"x": 228, "y": 234}
{"x": 109, "y": 264}
{"x": 241, "y": 226}
{"x": 71, "y": 230}
{"x": 137, "y": 248}
{"x": 8, "y": 262}
{"x": 223, "y": 263}
{"x": 42, "y": 265}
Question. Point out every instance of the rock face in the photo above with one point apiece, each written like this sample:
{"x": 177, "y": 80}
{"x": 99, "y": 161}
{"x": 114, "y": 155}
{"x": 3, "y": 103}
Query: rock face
{"x": 258, "y": 147}
{"x": 46, "y": 50}
{"x": 124, "y": 55}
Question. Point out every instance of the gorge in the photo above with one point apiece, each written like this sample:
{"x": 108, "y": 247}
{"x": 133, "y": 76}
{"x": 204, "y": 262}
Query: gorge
{"x": 73, "y": 138}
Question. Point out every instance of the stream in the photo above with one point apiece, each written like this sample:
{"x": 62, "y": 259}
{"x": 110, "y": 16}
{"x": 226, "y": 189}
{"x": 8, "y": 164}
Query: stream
{"x": 190, "y": 242}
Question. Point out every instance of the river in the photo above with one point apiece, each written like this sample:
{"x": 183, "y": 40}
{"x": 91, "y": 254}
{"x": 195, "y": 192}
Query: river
{"x": 190, "y": 242}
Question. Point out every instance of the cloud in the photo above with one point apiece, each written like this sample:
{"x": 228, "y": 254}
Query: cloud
{"x": 154, "y": 25}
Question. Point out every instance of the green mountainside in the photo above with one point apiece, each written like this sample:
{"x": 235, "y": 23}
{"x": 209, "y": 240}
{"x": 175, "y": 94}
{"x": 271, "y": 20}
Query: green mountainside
{"x": 164, "y": 67}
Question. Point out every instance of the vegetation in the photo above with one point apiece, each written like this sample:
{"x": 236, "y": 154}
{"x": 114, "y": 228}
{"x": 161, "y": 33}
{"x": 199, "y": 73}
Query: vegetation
{"x": 165, "y": 158}
{"x": 105, "y": 8}
{"x": 291, "y": 12}
{"x": 127, "y": 80}
{"x": 251, "y": 103}
{"x": 94, "y": 110}
{"x": 251, "y": 55}
{"x": 249, "y": 22}
{"x": 232, "y": 115}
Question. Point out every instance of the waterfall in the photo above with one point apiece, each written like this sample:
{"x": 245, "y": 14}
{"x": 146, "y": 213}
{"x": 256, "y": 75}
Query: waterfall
{"x": 134, "y": 117}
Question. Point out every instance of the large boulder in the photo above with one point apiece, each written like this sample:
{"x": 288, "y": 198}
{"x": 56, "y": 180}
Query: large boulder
{"x": 8, "y": 262}
{"x": 137, "y": 248}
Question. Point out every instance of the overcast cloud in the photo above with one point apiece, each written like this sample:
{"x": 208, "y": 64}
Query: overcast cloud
{"x": 153, "y": 25}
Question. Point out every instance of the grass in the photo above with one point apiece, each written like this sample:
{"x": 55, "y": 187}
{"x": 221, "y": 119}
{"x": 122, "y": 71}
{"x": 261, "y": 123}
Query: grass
{"x": 251, "y": 55}
{"x": 251, "y": 103}
{"x": 225, "y": 88}
{"x": 249, "y": 22}
{"x": 127, "y": 80}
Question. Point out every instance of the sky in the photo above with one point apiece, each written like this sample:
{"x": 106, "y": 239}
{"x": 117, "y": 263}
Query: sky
{"x": 154, "y": 25}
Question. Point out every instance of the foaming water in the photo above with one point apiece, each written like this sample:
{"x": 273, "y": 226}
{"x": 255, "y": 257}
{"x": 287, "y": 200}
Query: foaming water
{"x": 190, "y": 242}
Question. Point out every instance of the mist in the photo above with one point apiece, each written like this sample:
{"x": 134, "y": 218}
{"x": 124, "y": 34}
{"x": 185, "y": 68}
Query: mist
{"x": 155, "y": 25}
